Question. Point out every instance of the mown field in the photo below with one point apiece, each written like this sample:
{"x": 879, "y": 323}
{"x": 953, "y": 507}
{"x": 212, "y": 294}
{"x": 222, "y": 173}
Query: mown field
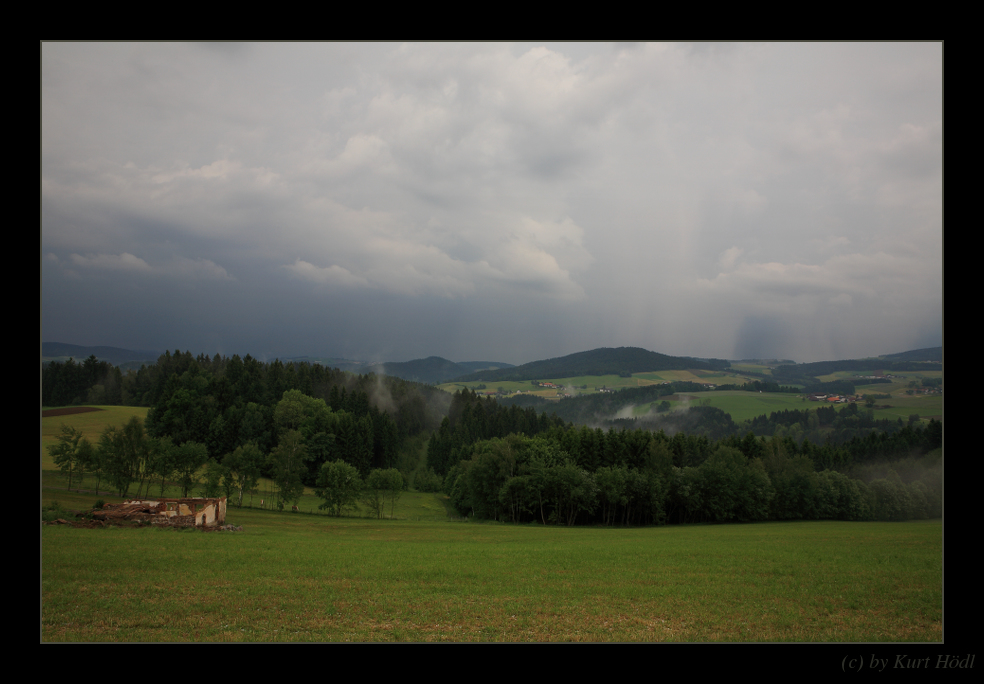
{"x": 747, "y": 405}
{"x": 296, "y": 577}
{"x": 91, "y": 424}
{"x": 741, "y": 405}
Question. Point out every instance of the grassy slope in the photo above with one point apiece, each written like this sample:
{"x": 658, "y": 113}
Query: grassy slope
{"x": 744, "y": 405}
{"x": 306, "y": 578}
{"x": 91, "y": 424}
{"x": 309, "y": 577}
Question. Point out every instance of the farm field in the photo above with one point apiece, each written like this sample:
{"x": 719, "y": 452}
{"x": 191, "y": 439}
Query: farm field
{"x": 897, "y": 384}
{"x": 744, "y": 405}
{"x": 295, "y": 577}
{"x": 925, "y": 406}
{"x": 594, "y": 382}
{"x": 751, "y": 368}
{"x": 91, "y": 423}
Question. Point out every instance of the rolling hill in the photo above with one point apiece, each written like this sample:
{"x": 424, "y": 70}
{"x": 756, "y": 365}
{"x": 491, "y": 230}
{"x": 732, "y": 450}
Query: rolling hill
{"x": 433, "y": 369}
{"x": 604, "y": 361}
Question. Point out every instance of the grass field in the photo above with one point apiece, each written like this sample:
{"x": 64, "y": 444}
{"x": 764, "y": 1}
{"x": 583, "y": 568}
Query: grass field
{"x": 424, "y": 577}
{"x": 91, "y": 424}
{"x": 295, "y": 577}
{"x": 745, "y": 405}
{"x": 751, "y": 368}
{"x": 926, "y": 407}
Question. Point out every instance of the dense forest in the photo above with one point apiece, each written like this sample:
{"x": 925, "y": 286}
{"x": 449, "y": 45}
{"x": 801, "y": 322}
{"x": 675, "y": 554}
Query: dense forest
{"x": 209, "y": 410}
{"x": 240, "y": 418}
{"x": 567, "y": 474}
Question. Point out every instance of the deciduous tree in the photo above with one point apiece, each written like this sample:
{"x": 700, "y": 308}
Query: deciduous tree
{"x": 72, "y": 452}
{"x": 288, "y": 466}
{"x": 244, "y": 468}
{"x": 339, "y": 486}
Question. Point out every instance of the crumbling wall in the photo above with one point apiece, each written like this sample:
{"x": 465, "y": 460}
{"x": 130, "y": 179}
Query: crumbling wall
{"x": 185, "y": 512}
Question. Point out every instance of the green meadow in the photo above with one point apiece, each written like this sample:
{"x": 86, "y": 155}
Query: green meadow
{"x": 741, "y": 405}
{"x": 756, "y": 368}
{"x": 424, "y": 575}
{"x": 746, "y": 405}
{"x": 298, "y": 577}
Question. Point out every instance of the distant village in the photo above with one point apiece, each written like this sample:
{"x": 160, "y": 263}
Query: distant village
{"x": 832, "y": 398}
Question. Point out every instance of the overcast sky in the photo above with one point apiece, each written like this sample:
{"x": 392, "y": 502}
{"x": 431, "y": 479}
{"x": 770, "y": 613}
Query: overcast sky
{"x": 506, "y": 202}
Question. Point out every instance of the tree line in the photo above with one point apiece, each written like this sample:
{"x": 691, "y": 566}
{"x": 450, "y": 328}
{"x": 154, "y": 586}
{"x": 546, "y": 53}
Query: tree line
{"x": 253, "y": 419}
{"x": 128, "y": 456}
{"x": 523, "y": 479}
{"x": 557, "y": 471}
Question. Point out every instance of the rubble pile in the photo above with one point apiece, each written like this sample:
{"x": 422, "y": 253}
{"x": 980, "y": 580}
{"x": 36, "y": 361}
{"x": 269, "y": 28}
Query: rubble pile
{"x": 205, "y": 513}
{"x": 145, "y": 511}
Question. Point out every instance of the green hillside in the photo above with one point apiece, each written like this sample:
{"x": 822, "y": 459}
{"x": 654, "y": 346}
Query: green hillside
{"x": 604, "y": 361}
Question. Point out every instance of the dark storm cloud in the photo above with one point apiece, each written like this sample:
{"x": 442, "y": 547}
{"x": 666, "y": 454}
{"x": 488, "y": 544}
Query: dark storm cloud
{"x": 496, "y": 201}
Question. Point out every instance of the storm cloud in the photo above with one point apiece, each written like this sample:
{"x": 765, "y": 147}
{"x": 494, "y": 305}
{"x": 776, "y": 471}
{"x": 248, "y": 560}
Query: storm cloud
{"x": 504, "y": 202}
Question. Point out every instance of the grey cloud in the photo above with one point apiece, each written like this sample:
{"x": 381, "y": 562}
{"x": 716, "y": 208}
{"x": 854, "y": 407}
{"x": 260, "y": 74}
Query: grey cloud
{"x": 545, "y": 198}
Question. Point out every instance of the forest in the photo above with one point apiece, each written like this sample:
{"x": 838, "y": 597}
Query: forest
{"x": 238, "y": 419}
{"x": 272, "y": 419}
{"x": 575, "y": 474}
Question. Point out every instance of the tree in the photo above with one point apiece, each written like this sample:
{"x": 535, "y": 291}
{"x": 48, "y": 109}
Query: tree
{"x": 515, "y": 496}
{"x": 611, "y": 482}
{"x": 214, "y": 472}
{"x": 374, "y": 491}
{"x": 492, "y": 465}
{"x": 574, "y": 490}
{"x": 137, "y": 448}
{"x": 189, "y": 457}
{"x": 394, "y": 487}
{"x": 543, "y": 457}
{"x": 244, "y": 468}
{"x": 162, "y": 460}
{"x": 339, "y": 486}
{"x": 73, "y": 453}
{"x": 288, "y": 465}
{"x": 124, "y": 454}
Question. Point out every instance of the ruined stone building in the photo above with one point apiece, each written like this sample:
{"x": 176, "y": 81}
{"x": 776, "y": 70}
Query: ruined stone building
{"x": 187, "y": 512}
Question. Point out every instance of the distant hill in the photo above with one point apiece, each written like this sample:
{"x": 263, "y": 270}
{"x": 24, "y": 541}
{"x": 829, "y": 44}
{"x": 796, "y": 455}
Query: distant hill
{"x": 349, "y": 365}
{"x": 764, "y": 362}
{"x": 929, "y": 354}
{"x": 472, "y": 366}
{"x": 807, "y": 373}
{"x": 59, "y": 351}
{"x": 433, "y": 369}
{"x": 604, "y": 361}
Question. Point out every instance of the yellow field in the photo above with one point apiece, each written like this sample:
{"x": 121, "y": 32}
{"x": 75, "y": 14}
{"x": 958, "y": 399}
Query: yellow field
{"x": 91, "y": 424}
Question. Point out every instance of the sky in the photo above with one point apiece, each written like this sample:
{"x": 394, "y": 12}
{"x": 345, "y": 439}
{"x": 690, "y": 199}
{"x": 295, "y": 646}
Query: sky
{"x": 493, "y": 201}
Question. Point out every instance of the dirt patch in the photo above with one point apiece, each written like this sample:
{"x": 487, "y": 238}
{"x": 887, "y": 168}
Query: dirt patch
{"x": 68, "y": 411}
